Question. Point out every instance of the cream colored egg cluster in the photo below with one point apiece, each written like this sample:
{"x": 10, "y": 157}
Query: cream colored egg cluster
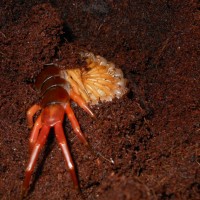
{"x": 100, "y": 81}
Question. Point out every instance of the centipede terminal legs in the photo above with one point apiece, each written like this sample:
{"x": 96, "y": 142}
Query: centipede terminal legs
{"x": 33, "y": 158}
{"x": 66, "y": 152}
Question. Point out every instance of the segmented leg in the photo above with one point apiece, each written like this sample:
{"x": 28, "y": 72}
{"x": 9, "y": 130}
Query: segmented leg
{"x": 34, "y": 133}
{"x": 33, "y": 158}
{"x": 81, "y": 102}
{"x": 65, "y": 149}
{"x": 30, "y": 113}
{"x": 75, "y": 124}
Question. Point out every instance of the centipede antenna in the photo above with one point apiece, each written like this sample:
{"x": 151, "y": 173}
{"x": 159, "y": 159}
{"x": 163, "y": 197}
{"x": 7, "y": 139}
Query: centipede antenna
{"x": 48, "y": 64}
{"x": 73, "y": 138}
{"x": 96, "y": 153}
{"x": 109, "y": 160}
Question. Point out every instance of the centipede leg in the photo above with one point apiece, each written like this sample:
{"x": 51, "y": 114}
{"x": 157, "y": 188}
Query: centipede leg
{"x": 34, "y": 133}
{"x": 30, "y": 113}
{"x": 75, "y": 124}
{"x": 65, "y": 149}
{"x": 81, "y": 102}
{"x": 33, "y": 158}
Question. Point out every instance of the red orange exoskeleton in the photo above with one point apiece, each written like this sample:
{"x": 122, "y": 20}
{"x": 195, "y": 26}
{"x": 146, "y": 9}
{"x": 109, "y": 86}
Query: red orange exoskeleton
{"x": 99, "y": 81}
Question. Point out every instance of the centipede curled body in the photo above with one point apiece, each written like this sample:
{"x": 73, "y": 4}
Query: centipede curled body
{"x": 99, "y": 81}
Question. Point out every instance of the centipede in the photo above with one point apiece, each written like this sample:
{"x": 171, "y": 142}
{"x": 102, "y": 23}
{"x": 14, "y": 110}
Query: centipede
{"x": 97, "y": 82}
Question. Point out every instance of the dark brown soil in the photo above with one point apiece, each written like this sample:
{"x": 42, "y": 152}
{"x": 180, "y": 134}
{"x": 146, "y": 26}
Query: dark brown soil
{"x": 152, "y": 134}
